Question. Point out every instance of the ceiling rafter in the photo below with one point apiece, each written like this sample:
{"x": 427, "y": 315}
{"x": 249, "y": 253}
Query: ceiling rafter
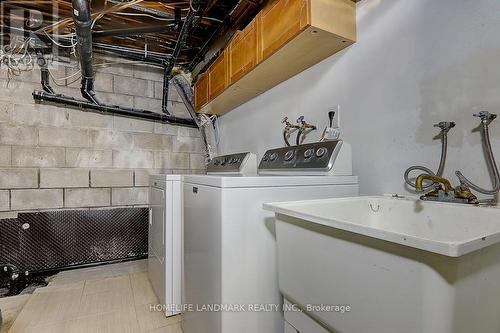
{"x": 115, "y": 21}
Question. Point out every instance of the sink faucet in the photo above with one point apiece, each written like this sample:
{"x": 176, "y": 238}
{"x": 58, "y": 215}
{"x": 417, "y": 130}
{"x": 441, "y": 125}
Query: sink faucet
{"x": 444, "y": 191}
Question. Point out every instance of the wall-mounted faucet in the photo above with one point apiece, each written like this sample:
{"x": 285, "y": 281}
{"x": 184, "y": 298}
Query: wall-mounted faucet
{"x": 486, "y": 119}
{"x": 445, "y": 127}
{"x": 442, "y": 188}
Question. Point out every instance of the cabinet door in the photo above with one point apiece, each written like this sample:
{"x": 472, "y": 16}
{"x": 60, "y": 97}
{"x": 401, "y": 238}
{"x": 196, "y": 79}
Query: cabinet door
{"x": 243, "y": 52}
{"x": 201, "y": 92}
{"x": 218, "y": 76}
{"x": 280, "y": 21}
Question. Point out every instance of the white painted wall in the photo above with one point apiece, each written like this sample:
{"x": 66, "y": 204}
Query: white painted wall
{"x": 416, "y": 62}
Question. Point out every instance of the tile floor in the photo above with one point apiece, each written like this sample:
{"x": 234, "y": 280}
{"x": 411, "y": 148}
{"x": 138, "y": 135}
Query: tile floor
{"x": 107, "y": 299}
{"x": 11, "y": 306}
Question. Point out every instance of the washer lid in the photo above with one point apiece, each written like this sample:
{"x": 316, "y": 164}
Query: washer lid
{"x": 268, "y": 181}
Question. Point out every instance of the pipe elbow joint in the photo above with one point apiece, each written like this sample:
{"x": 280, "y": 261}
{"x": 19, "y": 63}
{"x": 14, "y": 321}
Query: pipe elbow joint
{"x": 87, "y": 90}
{"x": 90, "y": 96}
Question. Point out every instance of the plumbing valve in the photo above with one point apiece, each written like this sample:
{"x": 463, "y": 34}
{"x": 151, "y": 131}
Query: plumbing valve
{"x": 445, "y": 125}
{"x": 304, "y": 124}
{"x": 304, "y": 129}
{"x": 289, "y": 129}
{"x": 285, "y": 121}
{"x": 485, "y": 116}
{"x": 288, "y": 125}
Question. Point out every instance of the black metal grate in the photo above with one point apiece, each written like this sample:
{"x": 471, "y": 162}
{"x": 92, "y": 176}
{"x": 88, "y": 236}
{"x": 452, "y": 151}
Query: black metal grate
{"x": 60, "y": 239}
{"x": 9, "y": 241}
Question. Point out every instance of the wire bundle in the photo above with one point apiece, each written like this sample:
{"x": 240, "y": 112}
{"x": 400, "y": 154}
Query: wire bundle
{"x": 17, "y": 56}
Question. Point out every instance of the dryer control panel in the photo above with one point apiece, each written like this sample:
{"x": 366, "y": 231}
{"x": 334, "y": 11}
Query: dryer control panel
{"x": 240, "y": 164}
{"x": 313, "y": 158}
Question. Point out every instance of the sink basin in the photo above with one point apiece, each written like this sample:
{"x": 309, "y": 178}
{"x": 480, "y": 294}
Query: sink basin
{"x": 448, "y": 229}
{"x": 400, "y": 264}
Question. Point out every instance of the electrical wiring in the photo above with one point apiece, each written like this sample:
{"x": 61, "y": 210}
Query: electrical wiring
{"x": 72, "y": 46}
{"x": 209, "y": 18}
{"x": 114, "y": 9}
{"x": 145, "y": 15}
{"x": 57, "y": 80}
{"x": 165, "y": 19}
{"x": 64, "y": 35}
{"x": 55, "y": 25}
{"x": 172, "y": 8}
{"x": 96, "y": 17}
{"x": 104, "y": 64}
{"x": 77, "y": 75}
{"x": 17, "y": 56}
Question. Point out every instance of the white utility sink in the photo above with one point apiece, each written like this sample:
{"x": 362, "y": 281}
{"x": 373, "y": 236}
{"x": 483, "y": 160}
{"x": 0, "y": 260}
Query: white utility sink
{"x": 402, "y": 265}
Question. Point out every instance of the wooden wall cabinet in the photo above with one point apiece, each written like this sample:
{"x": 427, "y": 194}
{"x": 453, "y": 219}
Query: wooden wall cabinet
{"x": 286, "y": 37}
{"x": 280, "y": 21}
{"x": 201, "y": 92}
{"x": 218, "y": 76}
{"x": 244, "y": 51}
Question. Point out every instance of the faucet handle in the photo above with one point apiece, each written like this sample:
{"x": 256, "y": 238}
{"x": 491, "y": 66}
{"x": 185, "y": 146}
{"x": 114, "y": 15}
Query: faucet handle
{"x": 485, "y": 116}
{"x": 445, "y": 125}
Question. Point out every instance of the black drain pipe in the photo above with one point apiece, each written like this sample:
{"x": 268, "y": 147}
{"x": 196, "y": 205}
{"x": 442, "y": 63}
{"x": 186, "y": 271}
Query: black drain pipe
{"x": 113, "y": 109}
{"x": 170, "y": 63}
{"x": 83, "y": 25}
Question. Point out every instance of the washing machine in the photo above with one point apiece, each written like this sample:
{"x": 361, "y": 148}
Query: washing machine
{"x": 230, "y": 256}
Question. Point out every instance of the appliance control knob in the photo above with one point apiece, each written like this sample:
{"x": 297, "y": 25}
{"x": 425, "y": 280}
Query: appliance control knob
{"x": 273, "y": 157}
{"x": 308, "y": 153}
{"x": 289, "y": 155}
{"x": 265, "y": 158}
{"x": 321, "y": 152}
{"x": 216, "y": 162}
{"x": 224, "y": 162}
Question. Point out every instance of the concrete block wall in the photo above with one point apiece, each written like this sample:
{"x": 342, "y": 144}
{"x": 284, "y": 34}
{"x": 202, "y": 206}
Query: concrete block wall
{"x": 55, "y": 157}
